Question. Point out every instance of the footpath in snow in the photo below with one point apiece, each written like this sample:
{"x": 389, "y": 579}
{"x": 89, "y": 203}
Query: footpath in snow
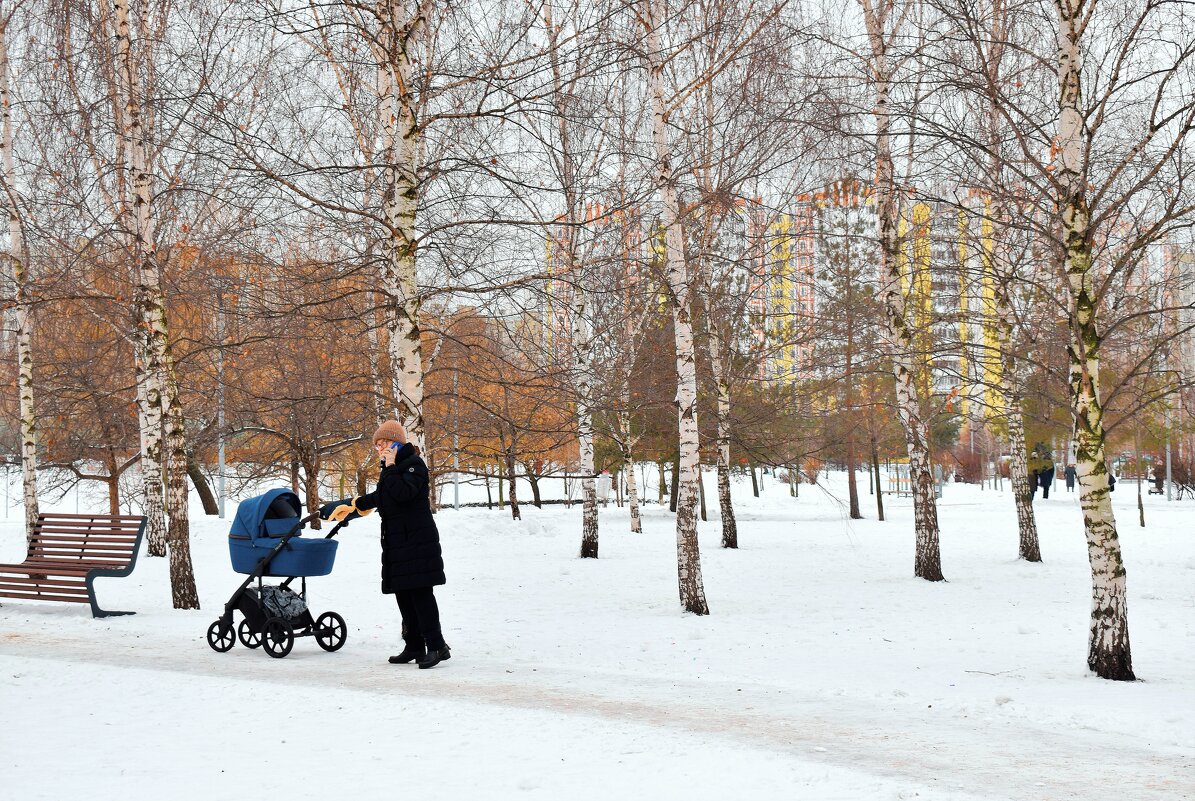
{"x": 825, "y": 671}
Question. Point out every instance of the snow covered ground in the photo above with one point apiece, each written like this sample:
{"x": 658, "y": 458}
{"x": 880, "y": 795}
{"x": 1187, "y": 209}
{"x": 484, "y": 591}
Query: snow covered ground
{"x": 825, "y": 671}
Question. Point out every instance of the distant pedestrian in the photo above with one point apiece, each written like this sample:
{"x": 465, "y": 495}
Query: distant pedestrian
{"x": 1033, "y": 483}
{"x": 1070, "y": 478}
{"x": 1046, "y": 477}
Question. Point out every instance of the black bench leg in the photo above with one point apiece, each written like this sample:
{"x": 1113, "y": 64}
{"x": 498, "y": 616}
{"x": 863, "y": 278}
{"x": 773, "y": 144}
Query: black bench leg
{"x": 95, "y": 607}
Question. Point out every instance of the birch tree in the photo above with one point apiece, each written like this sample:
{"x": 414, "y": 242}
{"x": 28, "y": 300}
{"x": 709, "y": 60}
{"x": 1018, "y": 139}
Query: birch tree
{"x": 747, "y": 118}
{"x": 399, "y": 26}
{"x": 651, "y": 15}
{"x": 885, "y": 21}
{"x": 18, "y": 275}
{"x": 155, "y": 361}
{"x": 1005, "y": 254}
{"x": 574, "y": 152}
{"x": 1101, "y": 118}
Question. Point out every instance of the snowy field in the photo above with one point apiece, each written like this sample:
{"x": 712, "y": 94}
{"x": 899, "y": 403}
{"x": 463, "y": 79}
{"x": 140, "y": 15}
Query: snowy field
{"x": 825, "y": 671}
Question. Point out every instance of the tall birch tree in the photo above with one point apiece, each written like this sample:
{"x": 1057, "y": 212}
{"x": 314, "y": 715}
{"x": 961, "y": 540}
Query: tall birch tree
{"x": 652, "y": 14}
{"x": 885, "y": 21}
{"x": 155, "y": 361}
{"x": 18, "y": 275}
{"x": 1101, "y": 118}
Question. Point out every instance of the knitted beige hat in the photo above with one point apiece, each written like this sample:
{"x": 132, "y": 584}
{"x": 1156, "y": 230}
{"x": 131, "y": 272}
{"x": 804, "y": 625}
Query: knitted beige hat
{"x": 390, "y": 430}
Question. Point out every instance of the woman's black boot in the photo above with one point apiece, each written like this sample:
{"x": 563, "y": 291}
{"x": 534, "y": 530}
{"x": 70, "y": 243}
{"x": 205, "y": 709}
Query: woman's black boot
{"x": 435, "y": 657}
{"x": 411, "y": 652}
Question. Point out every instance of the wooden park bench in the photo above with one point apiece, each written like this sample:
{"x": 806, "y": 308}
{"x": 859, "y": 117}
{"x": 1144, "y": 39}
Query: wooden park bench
{"x": 68, "y": 553}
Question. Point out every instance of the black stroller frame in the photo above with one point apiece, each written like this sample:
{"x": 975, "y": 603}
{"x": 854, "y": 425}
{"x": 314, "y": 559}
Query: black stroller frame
{"x": 260, "y": 627}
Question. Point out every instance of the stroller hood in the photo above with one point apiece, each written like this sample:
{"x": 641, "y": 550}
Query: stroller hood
{"x": 269, "y": 515}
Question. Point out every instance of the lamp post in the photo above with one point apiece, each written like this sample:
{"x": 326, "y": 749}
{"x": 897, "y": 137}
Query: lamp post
{"x": 220, "y": 396}
{"x": 456, "y": 457}
{"x": 1169, "y": 494}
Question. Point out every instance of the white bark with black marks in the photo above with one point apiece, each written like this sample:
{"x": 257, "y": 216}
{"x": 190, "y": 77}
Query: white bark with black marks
{"x": 730, "y": 530}
{"x": 928, "y": 558}
{"x": 18, "y": 275}
{"x": 399, "y": 155}
{"x": 626, "y": 443}
{"x": 688, "y": 554}
{"x": 158, "y": 388}
{"x": 1108, "y": 652}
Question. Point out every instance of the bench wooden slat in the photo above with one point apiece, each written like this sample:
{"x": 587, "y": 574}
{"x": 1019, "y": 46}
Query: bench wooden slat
{"x": 79, "y": 548}
{"x": 81, "y": 598}
{"x": 29, "y": 585}
{"x": 105, "y": 543}
{"x": 62, "y": 581}
{"x": 75, "y": 559}
{"x": 72, "y": 561}
{"x": 70, "y": 567}
{"x": 74, "y": 544}
{"x": 63, "y": 529}
{"x": 51, "y": 570}
{"x": 100, "y": 518}
{"x": 125, "y": 547}
{"x": 73, "y": 551}
{"x": 62, "y": 568}
{"x": 66, "y": 528}
{"x": 76, "y": 555}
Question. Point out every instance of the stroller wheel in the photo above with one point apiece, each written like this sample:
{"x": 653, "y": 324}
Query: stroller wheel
{"x": 220, "y": 637}
{"x": 330, "y": 631}
{"x": 248, "y": 637}
{"x": 277, "y": 638}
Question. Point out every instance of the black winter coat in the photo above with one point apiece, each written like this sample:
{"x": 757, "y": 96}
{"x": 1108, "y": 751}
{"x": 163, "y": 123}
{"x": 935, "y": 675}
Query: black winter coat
{"x": 1046, "y": 476}
{"x": 411, "y": 556}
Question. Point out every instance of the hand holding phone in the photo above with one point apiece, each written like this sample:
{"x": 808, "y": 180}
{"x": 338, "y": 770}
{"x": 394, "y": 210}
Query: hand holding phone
{"x": 389, "y": 454}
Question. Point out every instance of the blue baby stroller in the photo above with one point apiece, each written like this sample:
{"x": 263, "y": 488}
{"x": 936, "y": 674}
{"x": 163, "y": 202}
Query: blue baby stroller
{"x": 266, "y": 540}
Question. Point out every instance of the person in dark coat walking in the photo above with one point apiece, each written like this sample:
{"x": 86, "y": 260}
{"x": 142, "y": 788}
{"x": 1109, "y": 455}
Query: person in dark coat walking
{"x": 1070, "y": 478}
{"x": 412, "y": 563}
{"x": 1046, "y": 477}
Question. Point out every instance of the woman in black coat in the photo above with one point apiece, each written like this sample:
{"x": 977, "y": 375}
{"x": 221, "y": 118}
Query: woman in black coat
{"x": 412, "y": 563}
{"x": 1046, "y": 478}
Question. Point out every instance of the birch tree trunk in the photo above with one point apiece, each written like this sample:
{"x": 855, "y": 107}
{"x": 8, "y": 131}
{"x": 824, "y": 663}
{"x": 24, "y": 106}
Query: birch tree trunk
{"x": 17, "y": 260}
{"x": 928, "y": 560}
{"x": 1018, "y": 469}
{"x": 1009, "y": 379}
{"x": 582, "y": 335}
{"x": 400, "y": 202}
{"x": 626, "y": 444}
{"x": 583, "y": 353}
{"x": 730, "y": 531}
{"x": 632, "y": 489}
{"x": 1108, "y": 652}
{"x": 849, "y": 390}
{"x": 1029, "y": 549}
{"x": 149, "y": 420}
{"x": 515, "y": 514}
{"x": 688, "y": 554}
{"x": 157, "y": 369}
{"x": 182, "y": 573}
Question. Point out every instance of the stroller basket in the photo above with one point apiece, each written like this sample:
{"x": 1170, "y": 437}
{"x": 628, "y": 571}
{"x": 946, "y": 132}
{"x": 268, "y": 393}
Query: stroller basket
{"x": 255, "y": 531}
